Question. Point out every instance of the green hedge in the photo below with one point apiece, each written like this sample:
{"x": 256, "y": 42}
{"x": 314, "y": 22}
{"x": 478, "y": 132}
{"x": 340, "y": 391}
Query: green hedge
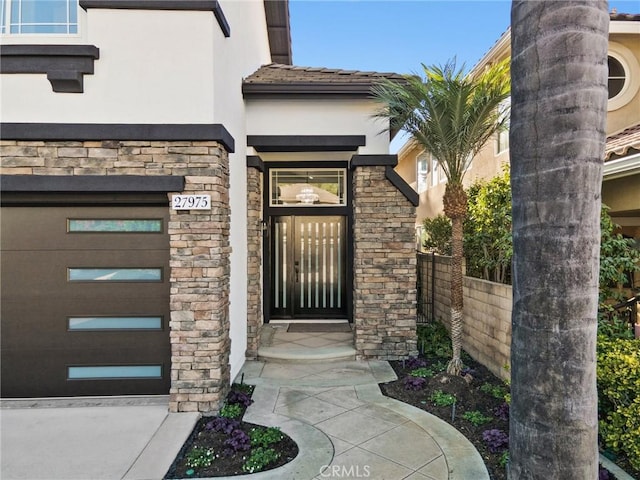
{"x": 619, "y": 396}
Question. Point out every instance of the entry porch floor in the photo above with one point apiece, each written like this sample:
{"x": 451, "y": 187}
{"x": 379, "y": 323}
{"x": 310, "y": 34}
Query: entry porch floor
{"x": 278, "y": 344}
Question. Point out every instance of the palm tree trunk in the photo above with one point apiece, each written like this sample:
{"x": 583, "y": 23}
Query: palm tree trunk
{"x": 455, "y": 207}
{"x": 557, "y": 134}
{"x": 455, "y": 365}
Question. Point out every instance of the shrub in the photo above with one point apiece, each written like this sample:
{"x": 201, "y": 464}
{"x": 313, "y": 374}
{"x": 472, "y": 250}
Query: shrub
{"x": 618, "y": 262}
{"x": 619, "y": 396}
{"x": 424, "y": 372}
{"x": 496, "y": 391}
{"x": 496, "y": 440}
{"x": 238, "y": 441}
{"x": 476, "y": 418}
{"x": 263, "y": 437}
{"x": 414, "y": 383}
{"x": 434, "y": 340}
{"x": 442, "y": 399}
{"x": 222, "y": 424}
{"x": 502, "y": 411}
{"x": 487, "y": 229}
{"x": 231, "y": 410}
{"x": 259, "y": 459}
{"x": 437, "y": 235}
{"x": 415, "y": 362}
{"x": 199, "y": 457}
{"x": 239, "y": 398}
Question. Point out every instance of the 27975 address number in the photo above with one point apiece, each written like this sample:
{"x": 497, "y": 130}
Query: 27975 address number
{"x": 191, "y": 202}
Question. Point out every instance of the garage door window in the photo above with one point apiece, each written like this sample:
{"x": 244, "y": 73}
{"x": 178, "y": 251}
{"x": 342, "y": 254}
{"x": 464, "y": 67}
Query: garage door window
{"x": 115, "y": 323}
{"x": 93, "y": 372}
{"x": 115, "y": 274}
{"x": 86, "y": 225}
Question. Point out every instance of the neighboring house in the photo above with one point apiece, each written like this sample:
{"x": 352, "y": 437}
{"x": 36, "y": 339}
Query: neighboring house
{"x": 169, "y": 182}
{"x": 621, "y": 186}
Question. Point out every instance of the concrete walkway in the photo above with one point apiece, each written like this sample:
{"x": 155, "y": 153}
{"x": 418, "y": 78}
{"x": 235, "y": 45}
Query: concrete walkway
{"x": 346, "y": 428}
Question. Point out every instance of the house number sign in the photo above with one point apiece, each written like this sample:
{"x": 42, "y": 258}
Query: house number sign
{"x": 191, "y": 202}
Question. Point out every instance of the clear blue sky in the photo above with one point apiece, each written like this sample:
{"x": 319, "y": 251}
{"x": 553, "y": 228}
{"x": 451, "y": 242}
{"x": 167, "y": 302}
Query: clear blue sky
{"x": 397, "y": 35}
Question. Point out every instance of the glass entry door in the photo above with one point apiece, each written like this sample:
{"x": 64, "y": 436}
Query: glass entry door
{"x": 308, "y": 269}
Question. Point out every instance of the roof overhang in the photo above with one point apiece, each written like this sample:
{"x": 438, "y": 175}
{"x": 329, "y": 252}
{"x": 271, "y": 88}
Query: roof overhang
{"x": 279, "y": 30}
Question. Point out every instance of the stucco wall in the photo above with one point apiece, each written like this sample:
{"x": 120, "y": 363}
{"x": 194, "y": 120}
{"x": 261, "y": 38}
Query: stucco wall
{"x": 319, "y": 117}
{"x": 154, "y": 67}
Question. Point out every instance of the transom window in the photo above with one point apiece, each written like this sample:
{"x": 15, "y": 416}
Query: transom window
{"x": 39, "y": 16}
{"x": 293, "y": 187}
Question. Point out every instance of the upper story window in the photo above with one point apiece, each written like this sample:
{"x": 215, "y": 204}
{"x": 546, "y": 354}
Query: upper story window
{"x": 616, "y": 76}
{"x": 624, "y": 76}
{"x": 422, "y": 172}
{"x": 502, "y": 136}
{"x": 39, "y": 17}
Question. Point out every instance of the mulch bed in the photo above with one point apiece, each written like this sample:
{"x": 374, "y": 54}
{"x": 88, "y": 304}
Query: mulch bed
{"x": 469, "y": 397}
{"x": 226, "y": 465}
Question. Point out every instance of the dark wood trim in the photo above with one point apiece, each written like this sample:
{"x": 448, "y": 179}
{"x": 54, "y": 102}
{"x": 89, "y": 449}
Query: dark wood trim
{"x": 254, "y": 161}
{"x": 91, "y": 183}
{"x": 196, "y": 5}
{"x": 402, "y": 186}
{"x": 64, "y": 65}
{"x": 306, "y": 143}
{"x": 387, "y": 161}
{"x": 278, "y": 30}
{"x": 352, "y": 90}
{"x": 34, "y": 199}
{"x": 373, "y": 160}
{"x": 118, "y": 131}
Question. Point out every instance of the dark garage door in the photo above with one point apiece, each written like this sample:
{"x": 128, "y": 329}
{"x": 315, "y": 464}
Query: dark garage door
{"x": 85, "y": 300}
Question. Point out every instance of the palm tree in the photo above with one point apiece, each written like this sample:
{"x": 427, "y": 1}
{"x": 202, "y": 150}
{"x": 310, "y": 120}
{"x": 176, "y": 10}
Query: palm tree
{"x": 557, "y": 139}
{"x": 452, "y": 115}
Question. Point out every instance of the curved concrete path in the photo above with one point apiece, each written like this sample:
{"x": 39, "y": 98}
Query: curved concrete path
{"x": 346, "y": 428}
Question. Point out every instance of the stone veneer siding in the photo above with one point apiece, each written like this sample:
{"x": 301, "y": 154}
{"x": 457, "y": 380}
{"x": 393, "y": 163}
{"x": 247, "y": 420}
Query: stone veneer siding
{"x": 199, "y": 246}
{"x": 384, "y": 267}
{"x": 254, "y": 261}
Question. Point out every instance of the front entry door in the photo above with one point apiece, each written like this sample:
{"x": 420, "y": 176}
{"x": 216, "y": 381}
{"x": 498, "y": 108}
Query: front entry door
{"x": 308, "y": 267}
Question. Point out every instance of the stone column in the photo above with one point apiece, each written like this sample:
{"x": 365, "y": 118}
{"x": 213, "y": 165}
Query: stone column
{"x": 384, "y": 261}
{"x": 255, "y": 318}
{"x": 200, "y": 271}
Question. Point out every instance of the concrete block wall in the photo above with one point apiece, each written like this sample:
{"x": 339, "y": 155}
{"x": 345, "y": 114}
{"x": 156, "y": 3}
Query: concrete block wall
{"x": 199, "y": 245}
{"x": 487, "y": 317}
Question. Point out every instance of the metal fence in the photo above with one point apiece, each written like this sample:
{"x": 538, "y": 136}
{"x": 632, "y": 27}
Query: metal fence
{"x": 426, "y": 287}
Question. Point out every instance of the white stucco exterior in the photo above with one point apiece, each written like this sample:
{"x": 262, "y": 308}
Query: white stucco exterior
{"x": 237, "y": 57}
{"x": 319, "y": 117}
{"x": 154, "y": 67}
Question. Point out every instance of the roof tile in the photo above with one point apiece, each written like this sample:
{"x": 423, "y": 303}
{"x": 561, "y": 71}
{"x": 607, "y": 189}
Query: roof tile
{"x": 618, "y": 145}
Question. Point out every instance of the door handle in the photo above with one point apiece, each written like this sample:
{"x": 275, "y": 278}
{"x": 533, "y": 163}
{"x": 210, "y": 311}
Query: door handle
{"x": 297, "y": 270}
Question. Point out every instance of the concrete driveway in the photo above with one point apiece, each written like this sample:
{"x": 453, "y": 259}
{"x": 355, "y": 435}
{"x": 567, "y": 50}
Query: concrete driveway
{"x": 113, "y": 442}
